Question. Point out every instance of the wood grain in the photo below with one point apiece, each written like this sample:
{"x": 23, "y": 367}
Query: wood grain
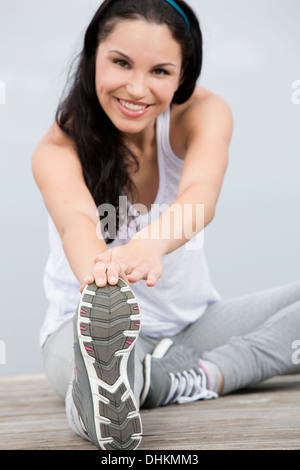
{"x": 262, "y": 418}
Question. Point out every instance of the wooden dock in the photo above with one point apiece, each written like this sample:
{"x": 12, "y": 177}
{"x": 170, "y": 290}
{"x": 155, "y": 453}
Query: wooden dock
{"x": 266, "y": 417}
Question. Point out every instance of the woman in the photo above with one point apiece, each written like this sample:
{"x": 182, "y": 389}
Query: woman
{"x": 139, "y": 144}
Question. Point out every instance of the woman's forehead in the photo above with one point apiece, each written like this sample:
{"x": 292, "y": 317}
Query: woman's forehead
{"x": 141, "y": 36}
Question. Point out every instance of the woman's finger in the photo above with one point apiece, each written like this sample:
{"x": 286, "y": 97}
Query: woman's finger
{"x": 100, "y": 274}
{"x": 89, "y": 279}
{"x": 151, "y": 275}
{"x": 81, "y": 288}
{"x": 104, "y": 257}
{"x": 123, "y": 276}
{"x": 137, "y": 274}
{"x": 113, "y": 272}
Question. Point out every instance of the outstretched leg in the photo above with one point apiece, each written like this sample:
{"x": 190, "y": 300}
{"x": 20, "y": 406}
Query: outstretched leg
{"x": 249, "y": 338}
{"x": 236, "y": 343}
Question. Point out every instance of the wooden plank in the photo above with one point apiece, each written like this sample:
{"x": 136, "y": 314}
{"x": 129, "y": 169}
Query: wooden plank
{"x": 262, "y": 418}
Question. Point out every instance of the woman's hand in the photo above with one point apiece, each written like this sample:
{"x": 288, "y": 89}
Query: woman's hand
{"x": 140, "y": 259}
{"x": 105, "y": 271}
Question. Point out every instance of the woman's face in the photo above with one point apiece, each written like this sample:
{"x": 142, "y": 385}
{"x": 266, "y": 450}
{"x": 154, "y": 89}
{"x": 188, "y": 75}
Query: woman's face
{"x": 138, "y": 70}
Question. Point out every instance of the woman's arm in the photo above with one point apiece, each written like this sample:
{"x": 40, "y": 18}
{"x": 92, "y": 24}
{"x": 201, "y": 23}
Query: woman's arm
{"x": 58, "y": 174}
{"x": 207, "y": 131}
{"x": 207, "y": 126}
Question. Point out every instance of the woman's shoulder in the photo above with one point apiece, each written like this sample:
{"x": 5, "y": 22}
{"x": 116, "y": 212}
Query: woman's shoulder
{"x": 55, "y": 155}
{"x": 201, "y": 100}
{"x": 204, "y": 106}
{"x": 56, "y": 137}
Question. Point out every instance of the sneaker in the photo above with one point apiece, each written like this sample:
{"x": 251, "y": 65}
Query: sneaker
{"x": 106, "y": 327}
{"x": 172, "y": 374}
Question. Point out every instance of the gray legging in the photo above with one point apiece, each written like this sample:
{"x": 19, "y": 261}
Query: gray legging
{"x": 249, "y": 338}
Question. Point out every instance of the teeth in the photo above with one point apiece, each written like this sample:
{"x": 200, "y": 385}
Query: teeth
{"x": 132, "y": 107}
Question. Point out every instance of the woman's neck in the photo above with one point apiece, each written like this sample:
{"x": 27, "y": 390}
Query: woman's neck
{"x": 143, "y": 143}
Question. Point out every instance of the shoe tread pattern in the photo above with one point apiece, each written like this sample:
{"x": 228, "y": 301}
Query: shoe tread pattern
{"x": 102, "y": 328}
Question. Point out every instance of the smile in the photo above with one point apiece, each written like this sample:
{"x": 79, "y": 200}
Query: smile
{"x": 131, "y": 108}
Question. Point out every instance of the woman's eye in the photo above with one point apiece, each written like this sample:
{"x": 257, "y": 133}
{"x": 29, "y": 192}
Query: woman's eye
{"x": 121, "y": 63}
{"x": 160, "y": 72}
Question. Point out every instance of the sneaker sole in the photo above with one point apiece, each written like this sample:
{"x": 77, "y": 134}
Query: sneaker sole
{"x": 108, "y": 325}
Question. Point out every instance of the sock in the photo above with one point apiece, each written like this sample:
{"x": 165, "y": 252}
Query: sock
{"x": 212, "y": 374}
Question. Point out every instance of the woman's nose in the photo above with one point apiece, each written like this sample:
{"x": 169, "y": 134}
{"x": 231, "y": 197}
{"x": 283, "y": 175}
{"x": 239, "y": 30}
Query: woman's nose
{"x": 137, "y": 86}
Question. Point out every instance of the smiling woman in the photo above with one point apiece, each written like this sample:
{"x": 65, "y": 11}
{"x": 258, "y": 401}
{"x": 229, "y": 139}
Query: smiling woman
{"x": 135, "y": 81}
{"x": 105, "y": 41}
{"x": 136, "y": 321}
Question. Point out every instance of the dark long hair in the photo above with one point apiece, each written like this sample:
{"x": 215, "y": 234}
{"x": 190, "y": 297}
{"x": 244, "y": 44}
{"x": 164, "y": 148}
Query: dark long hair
{"x": 103, "y": 155}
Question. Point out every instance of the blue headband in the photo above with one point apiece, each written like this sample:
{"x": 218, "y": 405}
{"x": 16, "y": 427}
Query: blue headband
{"x": 180, "y": 10}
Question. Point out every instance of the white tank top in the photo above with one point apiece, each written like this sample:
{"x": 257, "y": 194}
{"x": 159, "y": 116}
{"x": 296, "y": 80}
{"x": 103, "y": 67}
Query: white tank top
{"x": 180, "y": 296}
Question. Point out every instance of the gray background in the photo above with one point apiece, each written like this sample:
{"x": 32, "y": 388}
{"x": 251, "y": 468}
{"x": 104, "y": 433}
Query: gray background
{"x": 251, "y": 59}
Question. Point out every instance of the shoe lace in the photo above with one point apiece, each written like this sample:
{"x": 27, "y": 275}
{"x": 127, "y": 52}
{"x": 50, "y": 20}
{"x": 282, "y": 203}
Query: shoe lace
{"x": 189, "y": 386}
